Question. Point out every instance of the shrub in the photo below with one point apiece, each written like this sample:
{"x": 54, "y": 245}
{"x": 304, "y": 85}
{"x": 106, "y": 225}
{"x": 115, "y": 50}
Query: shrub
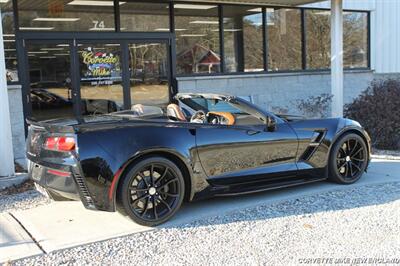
{"x": 315, "y": 106}
{"x": 378, "y": 111}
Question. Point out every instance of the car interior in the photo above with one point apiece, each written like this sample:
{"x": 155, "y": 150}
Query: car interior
{"x": 196, "y": 110}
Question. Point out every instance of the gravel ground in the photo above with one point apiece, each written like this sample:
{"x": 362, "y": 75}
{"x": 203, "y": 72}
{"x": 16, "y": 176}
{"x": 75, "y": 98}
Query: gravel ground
{"x": 340, "y": 226}
{"x": 22, "y": 201}
{"x": 386, "y": 154}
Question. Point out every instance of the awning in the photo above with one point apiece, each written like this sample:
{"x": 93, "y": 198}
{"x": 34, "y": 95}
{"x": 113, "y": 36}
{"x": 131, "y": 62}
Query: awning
{"x": 258, "y": 2}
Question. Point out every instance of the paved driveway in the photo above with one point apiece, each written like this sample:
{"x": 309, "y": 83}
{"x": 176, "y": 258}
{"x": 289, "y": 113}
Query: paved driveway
{"x": 61, "y": 225}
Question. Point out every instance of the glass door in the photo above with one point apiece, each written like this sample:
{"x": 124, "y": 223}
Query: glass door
{"x": 149, "y": 73}
{"x": 50, "y": 94}
{"x": 76, "y": 78}
{"x": 100, "y": 73}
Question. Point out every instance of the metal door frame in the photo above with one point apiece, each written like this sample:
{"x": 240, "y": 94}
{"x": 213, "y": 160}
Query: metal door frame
{"x": 72, "y": 38}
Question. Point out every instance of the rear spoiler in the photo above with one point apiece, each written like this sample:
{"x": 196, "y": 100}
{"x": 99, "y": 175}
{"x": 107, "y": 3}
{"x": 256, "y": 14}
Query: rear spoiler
{"x": 49, "y": 127}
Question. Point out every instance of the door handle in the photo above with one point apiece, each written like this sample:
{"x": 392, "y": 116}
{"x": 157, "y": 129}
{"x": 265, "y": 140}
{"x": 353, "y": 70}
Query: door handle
{"x": 252, "y": 132}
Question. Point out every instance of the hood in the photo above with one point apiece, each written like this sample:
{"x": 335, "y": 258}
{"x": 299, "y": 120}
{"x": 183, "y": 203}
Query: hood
{"x": 291, "y": 117}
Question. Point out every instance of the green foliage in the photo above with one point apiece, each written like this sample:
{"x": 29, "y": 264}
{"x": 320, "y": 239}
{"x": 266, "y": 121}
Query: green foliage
{"x": 378, "y": 111}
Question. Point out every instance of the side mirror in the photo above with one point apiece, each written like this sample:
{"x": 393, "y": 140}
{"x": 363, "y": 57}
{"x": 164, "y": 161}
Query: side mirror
{"x": 271, "y": 124}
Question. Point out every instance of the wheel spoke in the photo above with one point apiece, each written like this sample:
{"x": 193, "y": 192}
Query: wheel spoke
{"x": 165, "y": 203}
{"x": 136, "y": 189}
{"x": 353, "y": 154}
{"x": 354, "y": 147}
{"x": 152, "y": 174}
{"x": 341, "y": 150}
{"x": 358, "y": 168}
{"x": 357, "y": 159}
{"x": 343, "y": 164}
{"x": 348, "y": 146}
{"x": 144, "y": 179}
{"x": 347, "y": 170}
{"x": 154, "y": 208}
{"x": 145, "y": 208}
{"x": 169, "y": 194}
{"x": 351, "y": 169}
{"x": 162, "y": 176}
{"x": 140, "y": 198}
{"x": 171, "y": 181}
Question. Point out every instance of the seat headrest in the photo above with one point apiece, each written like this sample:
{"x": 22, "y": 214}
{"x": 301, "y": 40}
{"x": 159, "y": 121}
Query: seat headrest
{"x": 173, "y": 110}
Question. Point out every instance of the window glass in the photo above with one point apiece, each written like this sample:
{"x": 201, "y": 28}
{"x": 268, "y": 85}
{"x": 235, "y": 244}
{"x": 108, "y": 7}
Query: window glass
{"x": 100, "y": 78}
{"x": 243, "y": 39}
{"x": 67, "y": 15}
{"x": 148, "y": 70}
{"x": 197, "y": 38}
{"x": 318, "y": 32}
{"x": 284, "y": 39}
{"x": 216, "y": 106}
{"x": 145, "y": 17}
{"x": 355, "y": 39}
{"x": 51, "y": 93}
{"x": 10, "y": 52}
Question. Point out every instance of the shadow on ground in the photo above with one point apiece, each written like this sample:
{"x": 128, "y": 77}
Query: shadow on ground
{"x": 380, "y": 185}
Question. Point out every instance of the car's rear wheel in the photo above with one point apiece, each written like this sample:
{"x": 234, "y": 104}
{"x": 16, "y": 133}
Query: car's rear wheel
{"x": 348, "y": 160}
{"x": 152, "y": 191}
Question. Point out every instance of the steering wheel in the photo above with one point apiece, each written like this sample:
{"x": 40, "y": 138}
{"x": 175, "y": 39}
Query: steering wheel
{"x": 198, "y": 117}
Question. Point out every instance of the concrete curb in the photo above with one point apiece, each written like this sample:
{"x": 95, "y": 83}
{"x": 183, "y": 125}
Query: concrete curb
{"x": 6, "y": 182}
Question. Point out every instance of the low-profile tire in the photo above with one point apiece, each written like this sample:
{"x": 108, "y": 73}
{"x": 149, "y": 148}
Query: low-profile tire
{"x": 152, "y": 191}
{"x": 348, "y": 159}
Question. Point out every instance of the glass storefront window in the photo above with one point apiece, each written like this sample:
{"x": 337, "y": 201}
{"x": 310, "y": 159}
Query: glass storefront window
{"x": 50, "y": 80}
{"x": 355, "y": 39}
{"x": 10, "y": 52}
{"x": 100, "y": 78}
{"x": 197, "y": 38}
{"x": 66, "y": 15}
{"x": 318, "y": 32}
{"x": 243, "y": 39}
{"x": 141, "y": 16}
{"x": 284, "y": 39}
{"x": 148, "y": 66}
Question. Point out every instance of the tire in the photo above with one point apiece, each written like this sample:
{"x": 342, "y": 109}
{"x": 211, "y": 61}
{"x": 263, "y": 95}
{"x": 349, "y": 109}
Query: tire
{"x": 348, "y": 159}
{"x": 152, "y": 191}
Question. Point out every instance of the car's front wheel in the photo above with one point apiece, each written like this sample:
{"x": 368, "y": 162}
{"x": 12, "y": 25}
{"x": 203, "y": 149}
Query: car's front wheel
{"x": 152, "y": 191}
{"x": 348, "y": 160}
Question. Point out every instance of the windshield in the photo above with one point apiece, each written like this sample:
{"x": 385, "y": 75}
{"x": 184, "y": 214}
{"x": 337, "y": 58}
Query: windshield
{"x": 211, "y": 105}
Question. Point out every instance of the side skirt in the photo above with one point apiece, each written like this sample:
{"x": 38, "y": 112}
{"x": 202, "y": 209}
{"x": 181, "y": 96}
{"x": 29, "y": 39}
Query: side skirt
{"x": 232, "y": 191}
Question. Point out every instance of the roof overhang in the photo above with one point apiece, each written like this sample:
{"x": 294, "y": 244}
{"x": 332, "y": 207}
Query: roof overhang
{"x": 258, "y": 2}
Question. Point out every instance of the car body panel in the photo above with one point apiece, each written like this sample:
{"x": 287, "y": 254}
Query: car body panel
{"x": 216, "y": 160}
{"x": 237, "y": 154}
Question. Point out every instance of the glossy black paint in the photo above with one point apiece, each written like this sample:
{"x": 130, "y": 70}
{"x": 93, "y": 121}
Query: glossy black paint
{"x": 215, "y": 160}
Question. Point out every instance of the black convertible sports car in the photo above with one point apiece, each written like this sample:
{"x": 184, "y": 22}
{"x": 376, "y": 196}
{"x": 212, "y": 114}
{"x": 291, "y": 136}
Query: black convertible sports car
{"x": 149, "y": 160}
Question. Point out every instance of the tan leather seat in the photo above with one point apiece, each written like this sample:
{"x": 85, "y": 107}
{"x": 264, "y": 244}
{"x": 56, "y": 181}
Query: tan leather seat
{"x": 175, "y": 112}
{"x": 229, "y": 118}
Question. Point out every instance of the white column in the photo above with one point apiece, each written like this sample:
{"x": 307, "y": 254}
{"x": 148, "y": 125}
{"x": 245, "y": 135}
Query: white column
{"x": 337, "y": 57}
{"x": 6, "y": 148}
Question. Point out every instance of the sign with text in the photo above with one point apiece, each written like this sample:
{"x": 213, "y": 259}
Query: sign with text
{"x": 100, "y": 64}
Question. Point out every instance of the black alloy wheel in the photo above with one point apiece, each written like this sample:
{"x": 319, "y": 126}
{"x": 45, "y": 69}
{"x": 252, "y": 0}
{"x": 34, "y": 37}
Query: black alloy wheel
{"x": 152, "y": 191}
{"x": 349, "y": 159}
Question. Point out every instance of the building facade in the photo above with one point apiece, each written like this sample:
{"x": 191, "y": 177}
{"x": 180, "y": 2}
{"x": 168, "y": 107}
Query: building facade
{"x": 68, "y": 58}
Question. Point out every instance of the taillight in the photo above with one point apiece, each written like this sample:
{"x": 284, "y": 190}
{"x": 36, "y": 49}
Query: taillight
{"x": 60, "y": 143}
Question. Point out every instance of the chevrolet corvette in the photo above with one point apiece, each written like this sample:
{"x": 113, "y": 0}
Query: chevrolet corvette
{"x": 147, "y": 161}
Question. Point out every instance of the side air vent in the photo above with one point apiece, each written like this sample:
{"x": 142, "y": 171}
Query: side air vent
{"x": 86, "y": 198}
{"x": 316, "y": 139}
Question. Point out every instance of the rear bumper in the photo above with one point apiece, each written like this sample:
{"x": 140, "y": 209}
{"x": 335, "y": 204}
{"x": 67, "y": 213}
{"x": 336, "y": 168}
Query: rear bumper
{"x": 61, "y": 184}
